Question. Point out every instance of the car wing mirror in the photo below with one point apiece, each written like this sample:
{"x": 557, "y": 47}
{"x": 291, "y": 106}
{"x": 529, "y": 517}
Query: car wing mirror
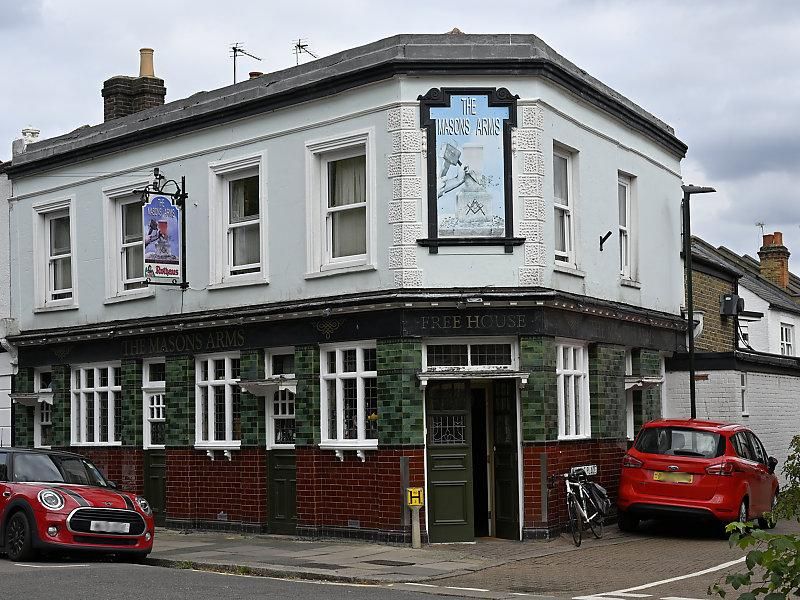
{"x": 772, "y": 462}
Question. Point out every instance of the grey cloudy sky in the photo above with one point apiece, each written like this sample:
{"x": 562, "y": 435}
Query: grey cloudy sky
{"x": 724, "y": 74}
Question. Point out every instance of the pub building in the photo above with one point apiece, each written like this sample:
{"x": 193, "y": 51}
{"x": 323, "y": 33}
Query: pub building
{"x": 440, "y": 261}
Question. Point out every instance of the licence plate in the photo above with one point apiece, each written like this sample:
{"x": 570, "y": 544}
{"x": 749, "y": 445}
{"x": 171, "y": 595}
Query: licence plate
{"x": 109, "y": 527}
{"x": 673, "y": 477}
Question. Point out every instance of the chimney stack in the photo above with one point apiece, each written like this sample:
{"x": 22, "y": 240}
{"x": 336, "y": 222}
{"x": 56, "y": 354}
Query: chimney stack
{"x": 254, "y": 74}
{"x": 29, "y": 136}
{"x": 774, "y": 259}
{"x": 124, "y": 95}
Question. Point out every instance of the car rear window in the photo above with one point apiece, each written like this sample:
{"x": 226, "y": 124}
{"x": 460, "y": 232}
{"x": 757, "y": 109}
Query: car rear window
{"x": 680, "y": 441}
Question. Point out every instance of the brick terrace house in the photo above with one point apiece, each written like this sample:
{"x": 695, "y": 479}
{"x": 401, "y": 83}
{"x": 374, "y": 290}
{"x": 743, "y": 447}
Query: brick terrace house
{"x": 447, "y": 261}
{"x": 747, "y": 365}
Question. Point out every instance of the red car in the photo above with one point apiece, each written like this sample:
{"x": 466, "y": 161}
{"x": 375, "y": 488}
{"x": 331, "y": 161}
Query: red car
{"x": 61, "y": 501}
{"x": 691, "y": 468}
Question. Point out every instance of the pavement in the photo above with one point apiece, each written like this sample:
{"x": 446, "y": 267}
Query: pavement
{"x": 345, "y": 561}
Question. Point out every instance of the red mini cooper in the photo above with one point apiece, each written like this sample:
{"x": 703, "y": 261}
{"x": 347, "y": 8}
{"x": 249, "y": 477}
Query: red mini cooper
{"x": 690, "y": 468}
{"x": 61, "y": 501}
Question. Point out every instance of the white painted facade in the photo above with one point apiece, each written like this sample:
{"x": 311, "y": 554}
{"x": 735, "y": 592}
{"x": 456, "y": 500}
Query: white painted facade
{"x": 387, "y": 113}
{"x": 765, "y": 333}
{"x": 5, "y": 313}
{"x": 772, "y": 404}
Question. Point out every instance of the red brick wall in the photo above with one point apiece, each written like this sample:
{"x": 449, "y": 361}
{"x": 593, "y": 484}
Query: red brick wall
{"x": 331, "y": 492}
{"x": 123, "y": 466}
{"x": 199, "y": 488}
{"x": 606, "y": 454}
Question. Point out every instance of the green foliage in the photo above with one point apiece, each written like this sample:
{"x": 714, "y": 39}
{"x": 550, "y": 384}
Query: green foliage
{"x": 772, "y": 560}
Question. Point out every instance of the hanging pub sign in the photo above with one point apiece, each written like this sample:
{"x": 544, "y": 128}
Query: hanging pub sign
{"x": 162, "y": 240}
{"x": 469, "y": 166}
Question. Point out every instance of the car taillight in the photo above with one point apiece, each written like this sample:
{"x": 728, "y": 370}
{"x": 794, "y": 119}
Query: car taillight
{"x": 724, "y": 468}
{"x": 631, "y": 462}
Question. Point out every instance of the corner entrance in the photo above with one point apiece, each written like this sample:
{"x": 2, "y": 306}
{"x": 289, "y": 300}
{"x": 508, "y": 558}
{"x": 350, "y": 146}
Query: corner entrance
{"x": 473, "y": 483}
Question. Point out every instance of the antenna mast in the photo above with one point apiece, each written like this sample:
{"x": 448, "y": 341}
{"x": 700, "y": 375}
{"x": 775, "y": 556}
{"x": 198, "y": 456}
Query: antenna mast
{"x": 236, "y": 50}
{"x": 300, "y": 47}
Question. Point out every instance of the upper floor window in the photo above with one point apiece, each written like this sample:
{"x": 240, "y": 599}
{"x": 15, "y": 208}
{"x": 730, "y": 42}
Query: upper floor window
{"x": 349, "y": 395}
{"x": 572, "y": 373}
{"x": 744, "y": 334}
{"x": 743, "y": 393}
{"x": 787, "y": 339}
{"x": 624, "y": 205}
{"x": 218, "y": 420}
{"x": 563, "y": 204}
{"x": 341, "y": 177}
{"x": 96, "y": 404}
{"x": 154, "y": 403}
{"x": 237, "y": 213}
{"x": 54, "y": 265}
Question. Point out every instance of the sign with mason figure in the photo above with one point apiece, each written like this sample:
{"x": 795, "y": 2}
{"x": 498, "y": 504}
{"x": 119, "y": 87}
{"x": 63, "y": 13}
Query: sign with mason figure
{"x": 469, "y": 191}
{"x": 162, "y": 240}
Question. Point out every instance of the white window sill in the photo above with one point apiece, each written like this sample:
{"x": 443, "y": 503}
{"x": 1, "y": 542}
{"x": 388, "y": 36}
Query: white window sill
{"x": 343, "y": 270}
{"x": 627, "y": 282}
{"x": 280, "y": 447}
{"x": 349, "y": 445}
{"x": 55, "y": 308}
{"x": 128, "y": 296}
{"x": 48, "y": 447}
{"x": 573, "y": 438}
{"x": 233, "y": 281}
{"x": 568, "y": 270}
{"x": 95, "y": 444}
{"x": 154, "y": 447}
{"x": 218, "y": 445}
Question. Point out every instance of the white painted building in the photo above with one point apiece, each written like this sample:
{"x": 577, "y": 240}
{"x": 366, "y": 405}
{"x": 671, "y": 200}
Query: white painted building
{"x": 6, "y": 358}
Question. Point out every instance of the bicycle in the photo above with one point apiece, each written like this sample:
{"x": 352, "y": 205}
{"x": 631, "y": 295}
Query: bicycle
{"x": 582, "y": 507}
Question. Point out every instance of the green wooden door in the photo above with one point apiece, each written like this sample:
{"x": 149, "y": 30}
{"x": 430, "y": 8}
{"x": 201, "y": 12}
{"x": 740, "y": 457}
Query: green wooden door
{"x": 155, "y": 483}
{"x": 282, "y": 488}
{"x": 506, "y": 474}
{"x": 449, "y": 447}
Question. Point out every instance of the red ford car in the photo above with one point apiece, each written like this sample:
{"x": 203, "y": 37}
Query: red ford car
{"x": 61, "y": 501}
{"x": 691, "y": 468}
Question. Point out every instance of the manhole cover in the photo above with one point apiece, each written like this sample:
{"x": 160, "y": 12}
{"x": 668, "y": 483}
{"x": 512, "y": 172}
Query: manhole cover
{"x": 390, "y": 563}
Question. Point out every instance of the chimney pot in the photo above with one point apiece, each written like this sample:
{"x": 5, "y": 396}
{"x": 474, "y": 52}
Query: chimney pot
{"x": 777, "y": 239}
{"x": 146, "y": 63}
{"x": 767, "y": 241}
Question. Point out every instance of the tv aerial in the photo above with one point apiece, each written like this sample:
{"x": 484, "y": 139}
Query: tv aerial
{"x": 236, "y": 51}
{"x": 301, "y": 47}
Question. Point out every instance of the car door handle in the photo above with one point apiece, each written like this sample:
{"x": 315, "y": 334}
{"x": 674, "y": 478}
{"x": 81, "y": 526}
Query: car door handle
{"x": 6, "y": 494}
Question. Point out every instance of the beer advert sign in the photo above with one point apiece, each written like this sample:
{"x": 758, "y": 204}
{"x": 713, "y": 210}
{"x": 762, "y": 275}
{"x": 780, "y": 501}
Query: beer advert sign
{"x": 162, "y": 240}
{"x": 471, "y": 162}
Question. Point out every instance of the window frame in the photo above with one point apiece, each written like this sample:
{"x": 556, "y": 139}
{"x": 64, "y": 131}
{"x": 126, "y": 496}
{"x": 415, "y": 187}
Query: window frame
{"x": 290, "y": 387}
{"x": 319, "y": 153}
{"x": 228, "y": 443}
{"x": 787, "y": 341}
{"x": 743, "y": 393}
{"x": 361, "y": 441}
{"x": 221, "y": 174}
{"x": 626, "y": 231}
{"x": 150, "y": 389}
{"x": 565, "y": 258}
{"x": 44, "y": 212}
{"x": 584, "y": 420}
{"x": 469, "y": 342}
{"x": 39, "y": 410}
{"x": 78, "y": 407}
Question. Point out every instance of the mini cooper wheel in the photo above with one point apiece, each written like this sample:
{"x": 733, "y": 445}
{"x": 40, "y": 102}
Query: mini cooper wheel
{"x": 19, "y": 542}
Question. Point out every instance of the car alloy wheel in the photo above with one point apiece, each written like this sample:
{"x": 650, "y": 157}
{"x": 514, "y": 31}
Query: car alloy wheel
{"x": 18, "y": 538}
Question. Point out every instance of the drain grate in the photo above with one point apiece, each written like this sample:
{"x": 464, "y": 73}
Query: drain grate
{"x": 390, "y": 563}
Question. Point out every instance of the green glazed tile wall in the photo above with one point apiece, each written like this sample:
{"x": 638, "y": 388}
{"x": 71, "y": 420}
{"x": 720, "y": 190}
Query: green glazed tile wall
{"x": 253, "y": 417}
{"x": 607, "y": 391}
{"x": 179, "y": 416}
{"x": 399, "y": 395}
{"x": 539, "y": 398}
{"x": 132, "y": 403}
{"x": 306, "y": 402}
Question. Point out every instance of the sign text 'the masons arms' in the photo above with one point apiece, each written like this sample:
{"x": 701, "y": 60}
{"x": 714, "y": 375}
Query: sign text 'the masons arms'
{"x": 184, "y": 342}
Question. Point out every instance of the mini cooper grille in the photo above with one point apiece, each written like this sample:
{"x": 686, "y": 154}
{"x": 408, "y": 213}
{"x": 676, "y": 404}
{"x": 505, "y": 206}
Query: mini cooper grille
{"x": 81, "y": 520}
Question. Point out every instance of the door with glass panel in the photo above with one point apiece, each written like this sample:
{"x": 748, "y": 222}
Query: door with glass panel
{"x": 449, "y": 437}
{"x": 281, "y": 462}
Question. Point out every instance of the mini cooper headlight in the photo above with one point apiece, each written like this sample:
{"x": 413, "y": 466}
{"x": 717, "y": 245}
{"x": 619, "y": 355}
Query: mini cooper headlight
{"x": 144, "y": 505}
{"x": 51, "y": 499}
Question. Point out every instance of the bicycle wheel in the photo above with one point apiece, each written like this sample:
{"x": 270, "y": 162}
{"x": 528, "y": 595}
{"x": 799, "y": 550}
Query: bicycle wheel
{"x": 596, "y": 518}
{"x": 575, "y": 524}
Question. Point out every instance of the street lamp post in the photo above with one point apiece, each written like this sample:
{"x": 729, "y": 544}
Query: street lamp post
{"x": 688, "y": 190}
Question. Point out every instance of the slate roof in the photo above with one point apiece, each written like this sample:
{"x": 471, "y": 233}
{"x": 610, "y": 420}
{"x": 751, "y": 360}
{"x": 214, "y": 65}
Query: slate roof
{"x": 414, "y": 54}
{"x": 750, "y": 278}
